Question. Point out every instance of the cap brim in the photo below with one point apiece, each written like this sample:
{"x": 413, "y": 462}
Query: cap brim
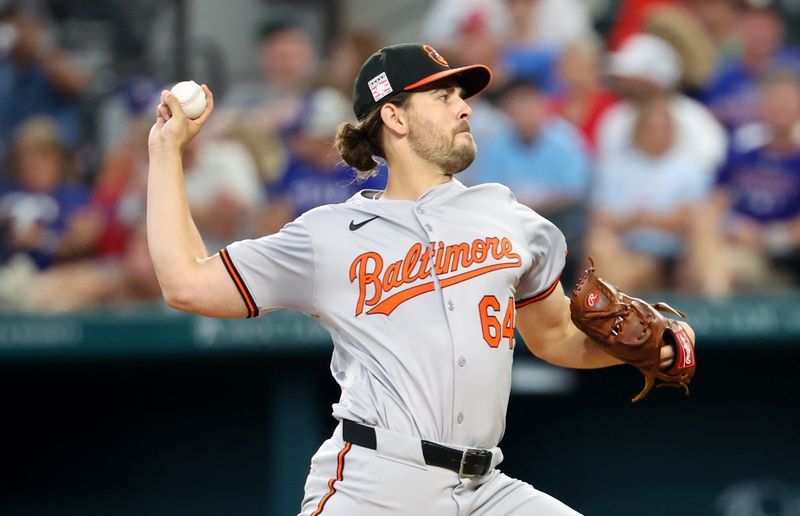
{"x": 473, "y": 79}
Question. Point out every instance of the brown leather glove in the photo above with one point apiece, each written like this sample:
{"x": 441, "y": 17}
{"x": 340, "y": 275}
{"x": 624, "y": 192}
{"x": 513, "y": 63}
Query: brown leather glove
{"x": 633, "y": 331}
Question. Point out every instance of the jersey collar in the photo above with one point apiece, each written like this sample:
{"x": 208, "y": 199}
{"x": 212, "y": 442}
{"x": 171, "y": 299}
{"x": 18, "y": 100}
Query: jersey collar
{"x": 374, "y": 196}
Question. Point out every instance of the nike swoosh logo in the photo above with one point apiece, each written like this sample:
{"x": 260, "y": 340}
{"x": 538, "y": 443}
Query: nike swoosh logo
{"x": 354, "y": 226}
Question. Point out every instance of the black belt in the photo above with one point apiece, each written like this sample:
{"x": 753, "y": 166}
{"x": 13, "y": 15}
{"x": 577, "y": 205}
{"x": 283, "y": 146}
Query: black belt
{"x": 472, "y": 462}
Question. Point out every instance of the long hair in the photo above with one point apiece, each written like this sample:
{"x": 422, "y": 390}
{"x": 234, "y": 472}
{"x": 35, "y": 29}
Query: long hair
{"x": 359, "y": 143}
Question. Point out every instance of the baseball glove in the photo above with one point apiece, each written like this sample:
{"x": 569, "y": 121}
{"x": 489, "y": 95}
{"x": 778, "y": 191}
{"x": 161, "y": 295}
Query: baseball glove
{"x": 633, "y": 331}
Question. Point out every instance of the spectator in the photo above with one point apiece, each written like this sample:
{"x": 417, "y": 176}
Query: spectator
{"x": 90, "y": 283}
{"x": 733, "y": 93}
{"x": 524, "y": 52}
{"x": 223, "y": 185}
{"x": 645, "y": 198}
{"x": 288, "y": 62}
{"x": 752, "y": 230}
{"x": 132, "y": 98}
{"x": 644, "y": 68}
{"x": 350, "y": 49}
{"x": 683, "y": 30}
{"x": 529, "y": 34}
{"x": 315, "y": 174}
{"x": 630, "y": 20}
{"x": 718, "y": 18}
{"x": 36, "y": 78}
{"x": 45, "y": 211}
{"x": 542, "y": 159}
{"x": 119, "y": 192}
{"x": 552, "y": 23}
{"x": 267, "y": 150}
{"x": 581, "y": 97}
{"x": 447, "y": 18}
{"x": 523, "y": 22}
{"x": 224, "y": 189}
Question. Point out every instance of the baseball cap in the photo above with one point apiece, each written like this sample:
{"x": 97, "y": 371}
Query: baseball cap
{"x": 647, "y": 57}
{"x": 407, "y": 67}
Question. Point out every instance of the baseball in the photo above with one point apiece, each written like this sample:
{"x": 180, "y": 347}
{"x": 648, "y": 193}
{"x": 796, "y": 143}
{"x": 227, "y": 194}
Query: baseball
{"x": 192, "y": 98}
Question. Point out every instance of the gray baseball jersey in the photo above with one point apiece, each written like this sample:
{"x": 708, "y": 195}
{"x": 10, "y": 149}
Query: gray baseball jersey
{"x": 419, "y": 298}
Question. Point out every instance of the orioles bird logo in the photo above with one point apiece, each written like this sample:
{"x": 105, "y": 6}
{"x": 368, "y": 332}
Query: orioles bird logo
{"x": 436, "y": 56}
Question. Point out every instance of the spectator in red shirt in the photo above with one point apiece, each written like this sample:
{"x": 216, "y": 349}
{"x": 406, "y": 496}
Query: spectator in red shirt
{"x": 582, "y": 98}
{"x": 630, "y": 20}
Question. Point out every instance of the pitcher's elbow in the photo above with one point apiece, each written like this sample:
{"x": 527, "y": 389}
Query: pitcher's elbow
{"x": 178, "y": 298}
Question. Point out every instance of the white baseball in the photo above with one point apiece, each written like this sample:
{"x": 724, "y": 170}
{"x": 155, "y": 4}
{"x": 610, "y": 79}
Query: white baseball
{"x": 192, "y": 98}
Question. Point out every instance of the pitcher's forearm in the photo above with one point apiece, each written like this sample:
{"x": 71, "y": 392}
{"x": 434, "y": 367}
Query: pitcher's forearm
{"x": 175, "y": 244}
{"x": 551, "y": 335}
{"x": 588, "y": 354}
{"x": 571, "y": 348}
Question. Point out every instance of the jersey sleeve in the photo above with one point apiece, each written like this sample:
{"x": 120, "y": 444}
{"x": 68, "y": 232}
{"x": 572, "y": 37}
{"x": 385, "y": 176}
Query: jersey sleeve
{"x": 548, "y": 250}
{"x": 275, "y": 271}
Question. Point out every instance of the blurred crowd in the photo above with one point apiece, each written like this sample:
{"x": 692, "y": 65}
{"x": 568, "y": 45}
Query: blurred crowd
{"x": 665, "y": 145}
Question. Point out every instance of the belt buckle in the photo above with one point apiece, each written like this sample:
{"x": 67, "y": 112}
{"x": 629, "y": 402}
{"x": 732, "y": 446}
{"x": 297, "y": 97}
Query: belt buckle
{"x": 477, "y": 454}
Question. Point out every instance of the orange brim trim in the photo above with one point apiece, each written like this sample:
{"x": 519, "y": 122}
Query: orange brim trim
{"x": 447, "y": 73}
{"x": 249, "y": 302}
{"x": 538, "y": 297}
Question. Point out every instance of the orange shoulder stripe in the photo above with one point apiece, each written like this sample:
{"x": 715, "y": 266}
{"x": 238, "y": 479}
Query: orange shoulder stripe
{"x": 539, "y": 297}
{"x": 252, "y": 308}
{"x": 331, "y": 482}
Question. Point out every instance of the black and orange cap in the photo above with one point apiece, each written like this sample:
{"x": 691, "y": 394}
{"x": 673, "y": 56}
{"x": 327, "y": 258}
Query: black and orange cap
{"x": 407, "y": 67}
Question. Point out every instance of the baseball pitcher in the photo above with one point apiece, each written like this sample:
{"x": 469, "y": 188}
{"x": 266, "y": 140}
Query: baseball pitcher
{"x": 421, "y": 286}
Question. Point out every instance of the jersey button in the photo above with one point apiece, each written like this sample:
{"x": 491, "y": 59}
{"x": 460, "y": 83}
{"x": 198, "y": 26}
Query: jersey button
{"x": 460, "y": 418}
{"x": 461, "y": 361}
{"x": 420, "y": 209}
{"x": 428, "y": 227}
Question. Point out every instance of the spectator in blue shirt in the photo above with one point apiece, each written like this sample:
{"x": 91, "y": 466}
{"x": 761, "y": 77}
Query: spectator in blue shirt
{"x": 753, "y": 231}
{"x": 46, "y": 215}
{"x": 315, "y": 174}
{"x": 543, "y": 159}
{"x": 36, "y": 78}
{"x": 732, "y": 94}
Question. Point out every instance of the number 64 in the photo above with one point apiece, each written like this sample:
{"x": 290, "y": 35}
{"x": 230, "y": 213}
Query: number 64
{"x": 493, "y": 331}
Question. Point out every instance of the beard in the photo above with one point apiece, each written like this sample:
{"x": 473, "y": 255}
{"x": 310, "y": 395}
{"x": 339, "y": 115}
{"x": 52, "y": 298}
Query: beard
{"x": 439, "y": 147}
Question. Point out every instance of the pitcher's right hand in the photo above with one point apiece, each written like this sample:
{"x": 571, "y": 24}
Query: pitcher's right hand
{"x": 173, "y": 129}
